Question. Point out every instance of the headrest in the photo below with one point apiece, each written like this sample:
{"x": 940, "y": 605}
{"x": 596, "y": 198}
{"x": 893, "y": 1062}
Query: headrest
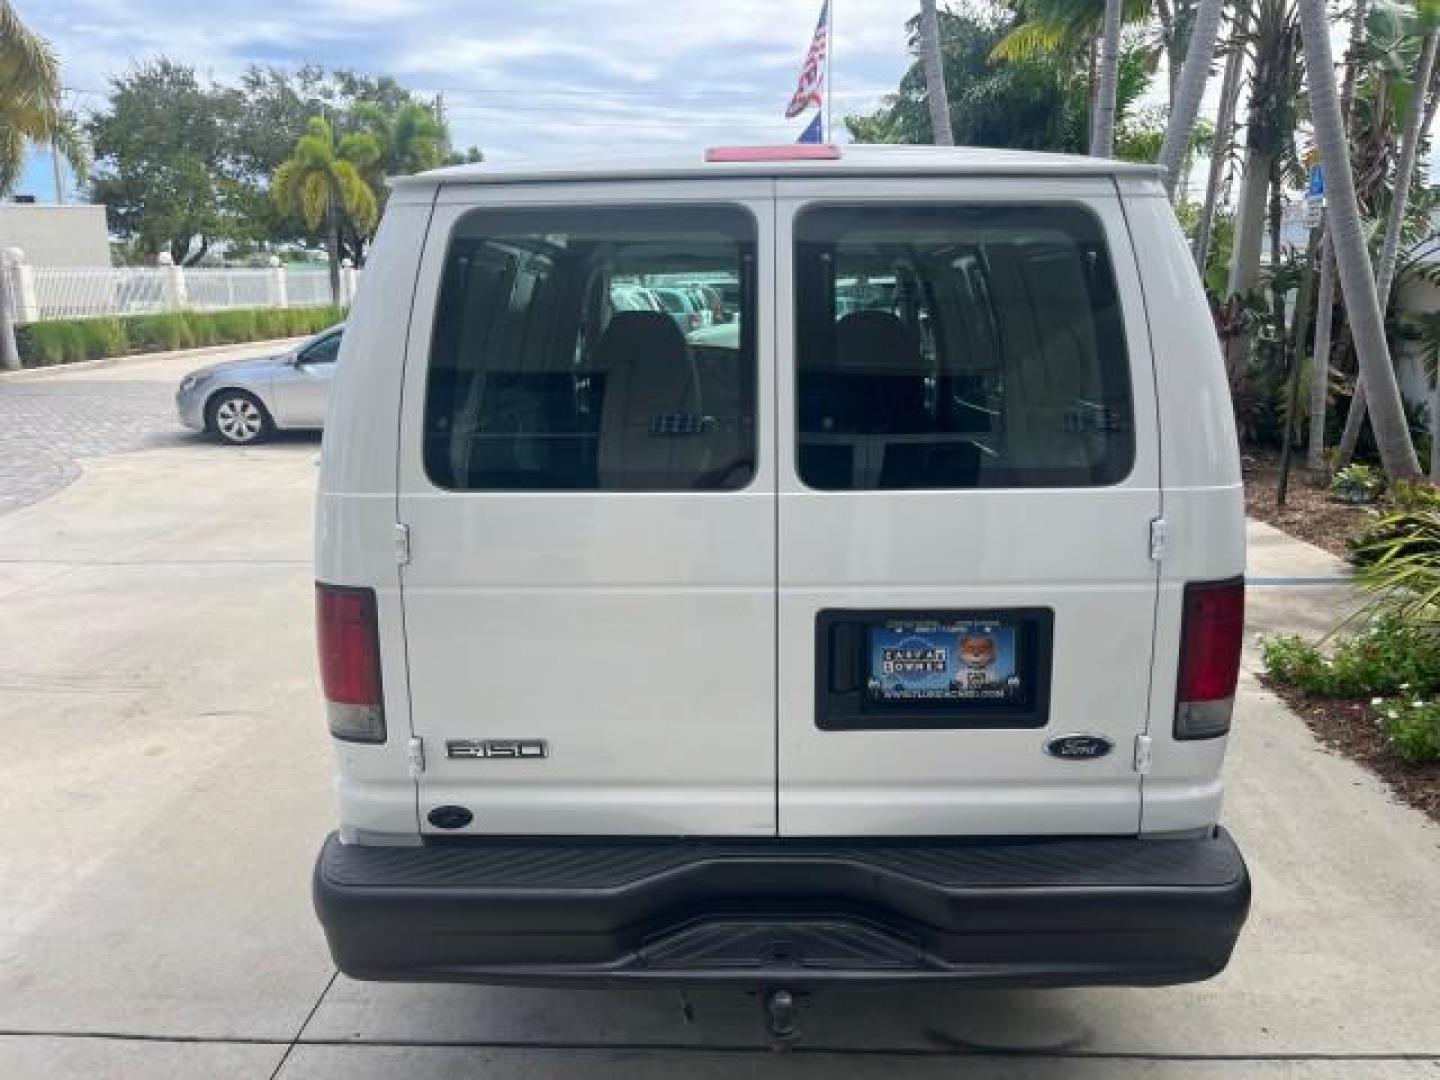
{"x": 649, "y": 337}
{"x": 875, "y": 341}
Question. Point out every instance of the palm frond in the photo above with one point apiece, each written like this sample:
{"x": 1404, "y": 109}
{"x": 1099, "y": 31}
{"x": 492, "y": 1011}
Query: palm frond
{"x": 29, "y": 71}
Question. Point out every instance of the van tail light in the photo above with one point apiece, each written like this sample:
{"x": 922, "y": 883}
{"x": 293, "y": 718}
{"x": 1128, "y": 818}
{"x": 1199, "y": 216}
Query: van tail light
{"x": 1210, "y": 638}
{"x": 349, "y": 639}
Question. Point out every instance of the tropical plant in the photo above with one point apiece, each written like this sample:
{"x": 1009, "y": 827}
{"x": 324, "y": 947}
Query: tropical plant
{"x": 1392, "y": 436}
{"x": 1189, "y": 89}
{"x": 410, "y": 139}
{"x": 1357, "y": 483}
{"x": 30, "y": 111}
{"x": 1273, "y": 39}
{"x": 1391, "y": 32}
{"x": 1028, "y": 102}
{"x": 933, "y": 61}
{"x": 1222, "y": 145}
{"x": 323, "y": 183}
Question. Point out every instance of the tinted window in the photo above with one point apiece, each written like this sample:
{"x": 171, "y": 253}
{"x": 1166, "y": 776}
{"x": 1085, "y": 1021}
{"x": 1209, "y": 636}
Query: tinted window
{"x": 959, "y": 347}
{"x": 323, "y": 351}
{"x": 543, "y": 377}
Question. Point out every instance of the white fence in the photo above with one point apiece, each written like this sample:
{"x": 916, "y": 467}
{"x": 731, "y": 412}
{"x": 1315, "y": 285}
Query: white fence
{"x": 37, "y": 293}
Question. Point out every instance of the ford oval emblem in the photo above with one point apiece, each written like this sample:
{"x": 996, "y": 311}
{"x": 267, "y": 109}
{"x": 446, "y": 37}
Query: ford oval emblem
{"x": 1079, "y": 747}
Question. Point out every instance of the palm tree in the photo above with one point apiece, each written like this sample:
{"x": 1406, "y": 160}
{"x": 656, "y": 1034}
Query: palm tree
{"x": 410, "y": 140}
{"x": 935, "y": 94}
{"x": 1352, "y": 261}
{"x": 1070, "y": 30}
{"x": 1269, "y": 136}
{"x": 1394, "y": 219}
{"x": 30, "y": 109}
{"x": 29, "y": 113}
{"x": 1189, "y": 89}
{"x": 1325, "y": 302}
{"x": 322, "y": 181}
{"x": 1224, "y": 131}
{"x": 1102, "y": 134}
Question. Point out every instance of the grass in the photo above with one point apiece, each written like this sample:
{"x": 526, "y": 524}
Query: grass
{"x": 68, "y": 341}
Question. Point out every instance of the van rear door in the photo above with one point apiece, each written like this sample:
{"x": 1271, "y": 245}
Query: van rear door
{"x": 590, "y": 593}
{"x": 968, "y": 476}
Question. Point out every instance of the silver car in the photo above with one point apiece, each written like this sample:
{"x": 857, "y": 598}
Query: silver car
{"x": 246, "y": 401}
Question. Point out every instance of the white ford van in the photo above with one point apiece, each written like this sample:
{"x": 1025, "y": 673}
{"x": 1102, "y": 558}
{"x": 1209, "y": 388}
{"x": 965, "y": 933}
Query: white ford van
{"x": 884, "y": 629}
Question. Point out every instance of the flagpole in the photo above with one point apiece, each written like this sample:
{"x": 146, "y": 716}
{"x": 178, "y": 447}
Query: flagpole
{"x": 829, "y": 69}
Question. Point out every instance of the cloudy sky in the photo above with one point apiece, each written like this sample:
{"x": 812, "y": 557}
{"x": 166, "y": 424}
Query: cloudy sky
{"x": 521, "y": 78}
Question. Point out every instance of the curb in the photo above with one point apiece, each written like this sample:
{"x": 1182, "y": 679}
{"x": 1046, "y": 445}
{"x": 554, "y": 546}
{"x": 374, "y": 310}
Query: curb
{"x": 119, "y": 361}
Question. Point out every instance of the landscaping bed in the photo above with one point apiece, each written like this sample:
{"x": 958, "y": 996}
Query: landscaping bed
{"x": 1352, "y": 728}
{"x": 1311, "y": 513}
{"x": 1373, "y": 695}
{"x": 69, "y": 341}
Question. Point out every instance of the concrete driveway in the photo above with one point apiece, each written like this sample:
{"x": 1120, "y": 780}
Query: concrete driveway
{"x": 165, "y": 785}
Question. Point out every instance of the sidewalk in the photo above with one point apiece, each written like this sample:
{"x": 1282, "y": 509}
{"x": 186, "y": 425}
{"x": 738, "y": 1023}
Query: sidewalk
{"x": 1292, "y": 587}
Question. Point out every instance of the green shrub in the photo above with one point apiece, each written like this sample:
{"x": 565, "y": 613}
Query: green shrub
{"x": 1400, "y": 567}
{"x": 103, "y": 337}
{"x": 1386, "y": 657}
{"x": 1411, "y": 726}
{"x": 62, "y": 341}
{"x": 1358, "y": 483}
{"x": 42, "y": 344}
{"x": 234, "y": 326}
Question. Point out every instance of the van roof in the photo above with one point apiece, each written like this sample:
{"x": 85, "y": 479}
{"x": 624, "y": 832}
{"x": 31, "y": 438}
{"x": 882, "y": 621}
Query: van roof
{"x": 853, "y": 160}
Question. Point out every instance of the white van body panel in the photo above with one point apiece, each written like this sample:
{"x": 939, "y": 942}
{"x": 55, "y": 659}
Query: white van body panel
{"x": 501, "y": 583}
{"x": 1204, "y": 500}
{"x": 730, "y": 582}
{"x": 1082, "y": 552}
{"x": 355, "y": 510}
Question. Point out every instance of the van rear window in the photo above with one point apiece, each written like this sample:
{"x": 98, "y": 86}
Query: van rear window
{"x": 958, "y": 347}
{"x": 564, "y": 356}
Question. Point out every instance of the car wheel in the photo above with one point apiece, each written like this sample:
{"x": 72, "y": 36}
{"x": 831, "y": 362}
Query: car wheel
{"x": 239, "y": 419}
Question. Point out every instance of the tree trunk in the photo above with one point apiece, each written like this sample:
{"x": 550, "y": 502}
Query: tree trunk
{"x": 1394, "y": 219}
{"x": 1276, "y": 214}
{"x": 1102, "y": 138}
{"x": 935, "y": 92}
{"x": 332, "y": 245}
{"x": 1320, "y": 365}
{"x": 1435, "y": 431}
{"x": 1250, "y": 212}
{"x": 1250, "y": 217}
{"x": 1352, "y": 261}
{"x": 1224, "y": 133}
{"x": 1325, "y": 303}
{"x": 1188, "y": 91}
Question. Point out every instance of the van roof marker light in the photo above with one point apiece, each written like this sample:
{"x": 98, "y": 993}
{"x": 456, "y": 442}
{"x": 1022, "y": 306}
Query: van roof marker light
{"x": 790, "y": 152}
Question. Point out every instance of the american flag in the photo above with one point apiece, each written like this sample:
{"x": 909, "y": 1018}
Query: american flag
{"x": 811, "y": 90}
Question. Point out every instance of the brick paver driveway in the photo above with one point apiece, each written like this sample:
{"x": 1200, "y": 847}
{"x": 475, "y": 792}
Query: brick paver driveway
{"x": 46, "y": 424}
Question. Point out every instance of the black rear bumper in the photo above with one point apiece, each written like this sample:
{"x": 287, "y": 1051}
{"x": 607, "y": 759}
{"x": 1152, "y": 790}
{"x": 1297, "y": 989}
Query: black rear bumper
{"x": 1047, "y": 912}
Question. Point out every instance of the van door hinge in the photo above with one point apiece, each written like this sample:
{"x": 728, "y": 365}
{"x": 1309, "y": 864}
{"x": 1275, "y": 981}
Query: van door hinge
{"x": 1158, "y": 535}
{"x": 416, "y": 754}
{"x": 402, "y": 544}
{"x": 1142, "y": 754}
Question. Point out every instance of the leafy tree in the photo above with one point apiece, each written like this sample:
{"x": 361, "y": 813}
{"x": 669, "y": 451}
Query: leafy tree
{"x": 30, "y": 100}
{"x": 323, "y": 184}
{"x": 1039, "y": 103}
{"x": 162, "y": 161}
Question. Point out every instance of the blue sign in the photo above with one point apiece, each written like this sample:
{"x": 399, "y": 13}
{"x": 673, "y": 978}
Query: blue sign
{"x": 1316, "y": 188}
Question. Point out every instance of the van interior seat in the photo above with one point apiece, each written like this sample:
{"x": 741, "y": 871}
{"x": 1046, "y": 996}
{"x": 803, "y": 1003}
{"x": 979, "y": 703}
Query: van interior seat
{"x": 875, "y": 380}
{"x": 652, "y": 421}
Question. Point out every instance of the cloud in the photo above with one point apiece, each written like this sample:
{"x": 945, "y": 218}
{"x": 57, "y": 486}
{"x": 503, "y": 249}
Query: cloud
{"x": 534, "y": 79}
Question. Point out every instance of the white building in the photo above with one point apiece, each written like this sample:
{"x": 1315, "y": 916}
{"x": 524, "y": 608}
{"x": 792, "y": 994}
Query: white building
{"x": 52, "y": 235}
